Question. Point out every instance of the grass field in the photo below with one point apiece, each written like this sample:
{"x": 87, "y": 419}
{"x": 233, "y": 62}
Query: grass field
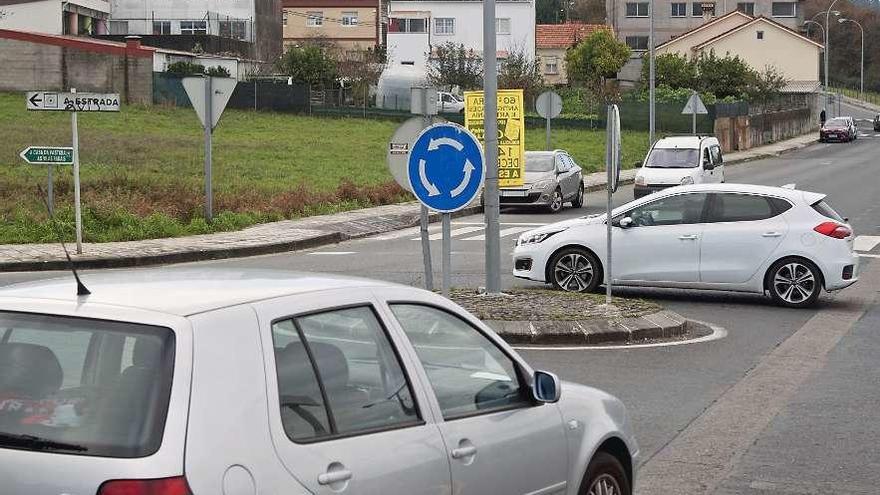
{"x": 142, "y": 169}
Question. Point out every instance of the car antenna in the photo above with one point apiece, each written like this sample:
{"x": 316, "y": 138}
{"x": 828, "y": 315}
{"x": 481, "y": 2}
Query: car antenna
{"x": 81, "y": 289}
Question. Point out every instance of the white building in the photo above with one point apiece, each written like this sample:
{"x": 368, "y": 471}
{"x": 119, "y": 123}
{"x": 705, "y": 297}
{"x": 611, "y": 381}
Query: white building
{"x": 76, "y": 17}
{"x": 415, "y": 27}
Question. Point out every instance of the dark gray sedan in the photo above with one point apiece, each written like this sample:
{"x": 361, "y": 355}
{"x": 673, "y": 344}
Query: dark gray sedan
{"x": 552, "y": 179}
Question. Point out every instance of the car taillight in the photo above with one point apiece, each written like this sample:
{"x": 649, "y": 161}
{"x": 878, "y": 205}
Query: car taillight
{"x": 161, "y": 486}
{"x": 832, "y": 229}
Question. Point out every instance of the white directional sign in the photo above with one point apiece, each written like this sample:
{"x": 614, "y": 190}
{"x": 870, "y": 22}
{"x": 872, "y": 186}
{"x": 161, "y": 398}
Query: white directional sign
{"x": 221, "y": 91}
{"x": 695, "y": 105}
{"x": 72, "y": 102}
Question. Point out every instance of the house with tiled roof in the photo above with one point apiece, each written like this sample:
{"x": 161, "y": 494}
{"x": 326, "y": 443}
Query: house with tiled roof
{"x": 758, "y": 41}
{"x": 551, "y": 43}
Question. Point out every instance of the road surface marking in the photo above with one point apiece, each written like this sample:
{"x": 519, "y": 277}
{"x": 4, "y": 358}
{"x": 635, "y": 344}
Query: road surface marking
{"x": 397, "y": 235}
{"x": 333, "y": 253}
{"x": 862, "y": 255}
{"x": 452, "y": 233}
{"x": 502, "y": 223}
{"x": 866, "y": 242}
{"x": 503, "y": 233}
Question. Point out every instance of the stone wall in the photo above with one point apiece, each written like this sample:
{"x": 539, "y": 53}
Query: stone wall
{"x": 759, "y": 127}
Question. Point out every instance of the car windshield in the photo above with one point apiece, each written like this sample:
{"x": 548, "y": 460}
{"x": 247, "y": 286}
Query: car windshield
{"x": 673, "y": 158}
{"x": 540, "y": 163}
{"x": 836, "y": 124}
{"x": 80, "y": 386}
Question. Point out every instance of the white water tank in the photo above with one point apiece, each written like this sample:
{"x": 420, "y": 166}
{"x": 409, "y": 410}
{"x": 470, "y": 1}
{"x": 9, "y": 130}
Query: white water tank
{"x": 395, "y": 85}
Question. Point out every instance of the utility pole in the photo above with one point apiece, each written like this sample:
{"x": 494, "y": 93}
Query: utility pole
{"x": 490, "y": 140}
{"x": 651, "y": 80}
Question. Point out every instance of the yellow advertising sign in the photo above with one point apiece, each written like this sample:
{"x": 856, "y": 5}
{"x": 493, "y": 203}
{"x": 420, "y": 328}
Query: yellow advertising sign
{"x": 511, "y": 132}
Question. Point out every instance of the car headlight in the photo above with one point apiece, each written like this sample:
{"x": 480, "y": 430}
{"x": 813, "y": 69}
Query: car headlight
{"x": 641, "y": 181}
{"x": 538, "y": 237}
{"x": 687, "y": 180}
{"x": 543, "y": 184}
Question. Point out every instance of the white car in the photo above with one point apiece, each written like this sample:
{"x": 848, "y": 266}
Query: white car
{"x": 449, "y": 103}
{"x": 734, "y": 237}
{"x": 680, "y": 160}
{"x": 209, "y": 382}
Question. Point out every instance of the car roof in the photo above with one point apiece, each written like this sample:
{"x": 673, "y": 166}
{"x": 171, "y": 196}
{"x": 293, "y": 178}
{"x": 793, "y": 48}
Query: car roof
{"x": 186, "y": 291}
{"x": 783, "y": 192}
{"x": 690, "y": 142}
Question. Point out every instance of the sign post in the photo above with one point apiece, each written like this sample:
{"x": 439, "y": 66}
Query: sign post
{"x": 445, "y": 171}
{"x": 694, "y": 106}
{"x": 74, "y": 103}
{"x": 209, "y": 96}
{"x": 612, "y": 165}
{"x": 492, "y": 204}
{"x": 549, "y": 106}
{"x": 50, "y": 156}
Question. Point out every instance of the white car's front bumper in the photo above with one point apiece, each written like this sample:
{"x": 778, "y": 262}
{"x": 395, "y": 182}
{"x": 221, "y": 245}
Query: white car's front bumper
{"x": 530, "y": 262}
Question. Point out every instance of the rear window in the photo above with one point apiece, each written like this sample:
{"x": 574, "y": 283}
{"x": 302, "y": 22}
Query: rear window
{"x": 827, "y": 211}
{"x": 80, "y": 386}
{"x": 673, "y": 158}
{"x": 540, "y": 163}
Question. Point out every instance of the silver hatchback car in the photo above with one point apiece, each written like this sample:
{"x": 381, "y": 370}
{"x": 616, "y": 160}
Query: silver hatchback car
{"x": 209, "y": 382}
{"x": 552, "y": 178}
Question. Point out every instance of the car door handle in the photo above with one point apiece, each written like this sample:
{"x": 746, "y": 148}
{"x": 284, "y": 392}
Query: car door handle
{"x": 462, "y": 452}
{"x": 332, "y": 477}
{"x": 691, "y": 237}
{"x": 772, "y": 234}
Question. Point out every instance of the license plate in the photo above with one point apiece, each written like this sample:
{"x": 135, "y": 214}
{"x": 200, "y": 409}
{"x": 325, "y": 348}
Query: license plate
{"x": 513, "y": 193}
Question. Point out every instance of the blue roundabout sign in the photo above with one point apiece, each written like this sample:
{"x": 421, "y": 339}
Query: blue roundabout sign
{"x": 446, "y": 167}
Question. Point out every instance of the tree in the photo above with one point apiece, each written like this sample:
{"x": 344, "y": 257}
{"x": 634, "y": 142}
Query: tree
{"x": 723, "y": 77}
{"x": 359, "y": 70}
{"x": 308, "y": 63}
{"x": 766, "y": 86}
{"x": 595, "y": 59}
{"x": 518, "y": 71}
{"x": 184, "y": 69}
{"x": 455, "y": 65}
{"x": 673, "y": 70}
{"x": 217, "y": 71}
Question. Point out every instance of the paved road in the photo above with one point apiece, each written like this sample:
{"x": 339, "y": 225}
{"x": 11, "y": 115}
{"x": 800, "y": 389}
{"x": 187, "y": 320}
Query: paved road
{"x": 785, "y": 403}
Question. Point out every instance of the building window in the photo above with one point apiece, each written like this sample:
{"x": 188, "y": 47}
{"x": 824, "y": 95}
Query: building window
{"x": 784, "y": 9}
{"x": 350, "y": 19}
{"x": 760, "y": 35}
{"x": 638, "y": 43}
{"x": 639, "y": 9}
{"x": 405, "y": 25}
{"x": 284, "y": 18}
{"x": 315, "y": 19}
{"x": 118, "y": 27}
{"x": 161, "y": 27}
{"x": 502, "y": 25}
{"x": 551, "y": 65}
{"x": 444, "y": 25}
{"x": 699, "y": 7}
{"x": 233, "y": 29}
{"x": 679, "y": 10}
{"x": 747, "y": 8}
{"x": 193, "y": 27}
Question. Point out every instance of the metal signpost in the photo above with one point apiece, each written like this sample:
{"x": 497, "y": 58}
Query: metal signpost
{"x": 612, "y": 165}
{"x": 74, "y": 103}
{"x": 446, "y": 171}
{"x": 549, "y": 106}
{"x": 50, "y": 156}
{"x": 209, "y": 96}
{"x": 694, "y": 106}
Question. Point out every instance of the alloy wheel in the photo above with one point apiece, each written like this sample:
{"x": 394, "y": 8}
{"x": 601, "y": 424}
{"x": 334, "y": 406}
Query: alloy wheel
{"x": 556, "y": 202}
{"x": 605, "y": 484}
{"x": 794, "y": 282}
{"x": 573, "y": 272}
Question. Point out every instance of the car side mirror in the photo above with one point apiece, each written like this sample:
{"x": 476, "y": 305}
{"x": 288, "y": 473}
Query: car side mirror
{"x": 546, "y": 387}
{"x": 625, "y": 223}
{"x": 708, "y": 165}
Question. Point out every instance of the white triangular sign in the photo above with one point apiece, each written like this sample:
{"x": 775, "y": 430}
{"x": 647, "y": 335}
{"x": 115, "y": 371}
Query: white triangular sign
{"x": 222, "y": 88}
{"x": 694, "y": 105}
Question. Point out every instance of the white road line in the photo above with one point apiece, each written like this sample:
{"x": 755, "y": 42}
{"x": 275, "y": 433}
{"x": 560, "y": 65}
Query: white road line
{"x": 503, "y": 233}
{"x": 452, "y": 233}
{"x": 866, "y": 242}
{"x": 717, "y": 333}
{"x": 503, "y": 223}
{"x": 395, "y": 234}
{"x": 333, "y": 253}
{"x": 861, "y": 255}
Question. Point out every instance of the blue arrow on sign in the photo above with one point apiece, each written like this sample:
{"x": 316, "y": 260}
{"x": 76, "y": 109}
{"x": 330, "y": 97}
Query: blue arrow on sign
{"x": 446, "y": 167}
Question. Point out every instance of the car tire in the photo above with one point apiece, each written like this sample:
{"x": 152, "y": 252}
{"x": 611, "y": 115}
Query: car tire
{"x": 794, "y": 282}
{"x": 578, "y": 201}
{"x": 605, "y": 475}
{"x": 574, "y": 269}
{"x": 556, "y": 201}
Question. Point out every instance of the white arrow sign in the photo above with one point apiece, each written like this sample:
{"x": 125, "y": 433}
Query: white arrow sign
{"x": 468, "y": 171}
{"x": 423, "y": 176}
{"x": 72, "y": 102}
{"x": 435, "y": 144}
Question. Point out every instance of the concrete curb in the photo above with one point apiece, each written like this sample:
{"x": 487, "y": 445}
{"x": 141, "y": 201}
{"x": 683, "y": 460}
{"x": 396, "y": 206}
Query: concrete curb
{"x": 663, "y": 324}
{"x": 186, "y": 256}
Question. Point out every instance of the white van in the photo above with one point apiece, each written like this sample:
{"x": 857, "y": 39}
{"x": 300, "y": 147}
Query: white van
{"x": 679, "y": 160}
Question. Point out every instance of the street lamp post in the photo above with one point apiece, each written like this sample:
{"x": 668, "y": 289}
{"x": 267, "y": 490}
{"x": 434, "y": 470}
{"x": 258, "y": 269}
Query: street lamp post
{"x": 651, "y": 80}
{"x": 827, "y": 48}
{"x": 822, "y": 29}
{"x": 862, "y": 72}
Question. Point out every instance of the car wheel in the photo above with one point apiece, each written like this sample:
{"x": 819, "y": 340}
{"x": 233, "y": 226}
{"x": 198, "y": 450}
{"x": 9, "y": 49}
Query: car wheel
{"x": 605, "y": 476}
{"x": 555, "y": 202}
{"x": 575, "y": 270}
{"x": 794, "y": 283}
{"x": 578, "y": 200}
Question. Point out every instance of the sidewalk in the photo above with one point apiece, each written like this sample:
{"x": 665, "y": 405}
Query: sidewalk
{"x": 288, "y": 235}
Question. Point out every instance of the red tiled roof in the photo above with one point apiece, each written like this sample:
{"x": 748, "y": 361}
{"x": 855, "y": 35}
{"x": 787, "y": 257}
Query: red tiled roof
{"x": 79, "y": 43}
{"x": 563, "y": 35}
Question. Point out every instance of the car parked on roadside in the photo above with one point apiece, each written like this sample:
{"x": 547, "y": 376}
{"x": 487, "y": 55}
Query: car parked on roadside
{"x": 678, "y": 160}
{"x": 449, "y": 103}
{"x": 838, "y": 129}
{"x": 208, "y": 382}
{"x": 733, "y": 237}
{"x": 552, "y": 179}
